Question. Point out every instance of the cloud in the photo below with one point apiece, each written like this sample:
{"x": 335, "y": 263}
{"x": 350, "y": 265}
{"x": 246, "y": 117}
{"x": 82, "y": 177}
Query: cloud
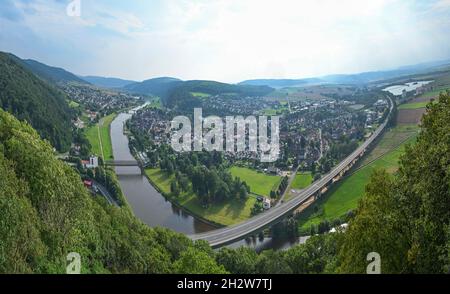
{"x": 230, "y": 40}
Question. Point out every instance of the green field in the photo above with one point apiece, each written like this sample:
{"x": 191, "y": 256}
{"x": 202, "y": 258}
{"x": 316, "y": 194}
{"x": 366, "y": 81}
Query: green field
{"x": 301, "y": 181}
{"x": 226, "y": 213}
{"x": 100, "y": 138}
{"x": 344, "y": 196}
{"x": 155, "y": 103}
{"x": 414, "y": 105}
{"x": 200, "y": 95}
{"x": 73, "y": 104}
{"x": 260, "y": 183}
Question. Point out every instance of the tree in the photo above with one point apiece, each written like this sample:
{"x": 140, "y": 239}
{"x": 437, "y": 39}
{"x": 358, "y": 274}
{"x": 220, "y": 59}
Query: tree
{"x": 238, "y": 261}
{"x": 243, "y": 192}
{"x": 195, "y": 262}
{"x": 273, "y": 194}
{"x": 405, "y": 218}
{"x": 270, "y": 262}
{"x": 174, "y": 188}
{"x": 183, "y": 182}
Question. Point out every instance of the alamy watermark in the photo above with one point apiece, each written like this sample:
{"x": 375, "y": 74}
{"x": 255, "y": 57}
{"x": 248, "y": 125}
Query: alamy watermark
{"x": 74, "y": 266}
{"x": 374, "y": 266}
{"x": 235, "y": 133}
{"x": 73, "y": 9}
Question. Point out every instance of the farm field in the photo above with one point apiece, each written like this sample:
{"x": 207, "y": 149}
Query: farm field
{"x": 200, "y": 94}
{"x": 414, "y": 105}
{"x": 344, "y": 196}
{"x": 100, "y": 138}
{"x": 226, "y": 213}
{"x": 260, "y": 183}
{"x": 410, "y": 116}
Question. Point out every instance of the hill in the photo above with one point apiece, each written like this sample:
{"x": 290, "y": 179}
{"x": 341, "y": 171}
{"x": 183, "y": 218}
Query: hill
{"x": 32, "y": 99}
{"x": 351, "y": 79}
{"x": 48, "y": 73}
{"x": 190, "y": 93}
{"x": 46, "y": 213}
{"x": 156, "y": 87}
{"x": 178, "y": 94}
{"x": 107, "y": 82}
{"x": 283, "y": 83}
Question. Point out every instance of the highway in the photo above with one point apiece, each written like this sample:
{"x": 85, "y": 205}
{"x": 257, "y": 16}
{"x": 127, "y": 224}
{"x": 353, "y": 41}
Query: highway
{"x": 230, "y": 234}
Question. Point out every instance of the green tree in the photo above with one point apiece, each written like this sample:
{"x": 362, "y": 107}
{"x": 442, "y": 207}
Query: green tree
{"x": 194, "y": 262}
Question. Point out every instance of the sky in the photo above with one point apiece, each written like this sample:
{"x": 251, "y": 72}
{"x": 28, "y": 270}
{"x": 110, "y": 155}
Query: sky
{"x": 226, "y": 40}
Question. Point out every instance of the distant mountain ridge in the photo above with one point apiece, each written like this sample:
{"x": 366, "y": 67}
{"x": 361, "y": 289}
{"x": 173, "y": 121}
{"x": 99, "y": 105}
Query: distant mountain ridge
{"x": 351, "y": 79}
{"x": 107, "y": 82}
{"x": 49, "y": 73}
{"x": 157, "y": 86}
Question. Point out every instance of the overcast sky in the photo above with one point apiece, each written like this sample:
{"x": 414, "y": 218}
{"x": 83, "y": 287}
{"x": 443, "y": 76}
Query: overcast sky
{"x": 226, "y": 40}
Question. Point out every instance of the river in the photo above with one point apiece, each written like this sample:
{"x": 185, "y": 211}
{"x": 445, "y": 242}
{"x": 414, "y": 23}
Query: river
{"x": 154, "y": 210}
{"x": 147, "y": 203}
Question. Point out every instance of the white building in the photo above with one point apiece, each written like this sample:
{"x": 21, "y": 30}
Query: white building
{"x": 266, "y": 203}
{"x": 93, "y": 162}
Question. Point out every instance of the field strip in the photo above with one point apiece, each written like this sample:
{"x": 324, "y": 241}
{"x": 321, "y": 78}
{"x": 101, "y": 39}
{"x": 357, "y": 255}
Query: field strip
{"x": 100, "y": 140}
{"x": 379, "y": 156}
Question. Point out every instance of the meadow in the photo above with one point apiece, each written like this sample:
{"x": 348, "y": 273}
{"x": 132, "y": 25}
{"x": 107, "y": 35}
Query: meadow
{"x": 260, "y": 183}
{"x": 414, "y": 105}
{"x": 99, "y": 137}
{"x": 224, "y": 213}
{"x": 301, "y": 181}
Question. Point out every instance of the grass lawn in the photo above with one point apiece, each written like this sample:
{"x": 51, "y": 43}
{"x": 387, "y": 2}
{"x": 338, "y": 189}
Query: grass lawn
{"x": 413, "y": 105}
{"x": 73, "y": 104}
{"x": 226, "y": 213}
{"x": 155, "y": 103}
{"x": 100, "y": 138}
{"x": 200, "y": 95}
{"x": 260, "y": 183}
{"x": 344, "y": 196}
{"x": 301, "y": 181}
{"x": 270, "y": 112}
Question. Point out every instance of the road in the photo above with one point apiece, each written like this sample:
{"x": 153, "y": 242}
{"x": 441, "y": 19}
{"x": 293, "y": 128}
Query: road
{"x": 105, "y": 193}
{"x": 288, "y": 187}
{"x": 230, "y": 234}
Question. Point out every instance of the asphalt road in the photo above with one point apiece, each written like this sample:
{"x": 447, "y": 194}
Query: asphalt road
{"x": 105, "y": 193}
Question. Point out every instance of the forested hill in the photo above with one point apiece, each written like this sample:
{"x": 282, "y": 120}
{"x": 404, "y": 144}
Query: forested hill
{"x": 46, "y": 213}
{"x": 29, "y": 98}
{"x": 185, "y": 95}
{"x": 156, "y": 87}
{"x": 48, "y": 73}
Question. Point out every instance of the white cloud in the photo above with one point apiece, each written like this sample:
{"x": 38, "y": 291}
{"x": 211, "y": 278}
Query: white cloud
{"x": 232, "y": 40}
